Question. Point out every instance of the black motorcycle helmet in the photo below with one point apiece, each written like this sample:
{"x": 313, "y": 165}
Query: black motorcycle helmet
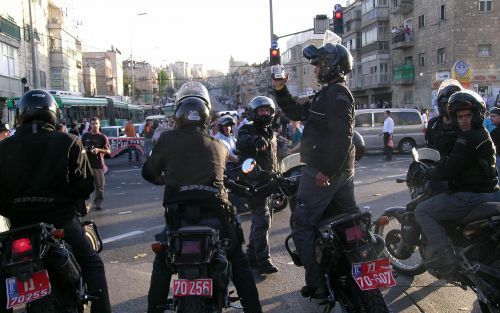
{"x": 37, "y": 105}
{"x": 359, "y": 144}
{"x": 334, "y": 60}
{"x": 192, "y": 106}
{"x": 225, "y": 120}
{"x": 446, "y": 89}
{"x": 262, "y": 102}
{"x": 467, "y": 100}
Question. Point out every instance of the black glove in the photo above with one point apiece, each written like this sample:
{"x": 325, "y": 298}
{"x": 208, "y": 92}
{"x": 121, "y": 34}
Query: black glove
{"x": 260, "y": 143}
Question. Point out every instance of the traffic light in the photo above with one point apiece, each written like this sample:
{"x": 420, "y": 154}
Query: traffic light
{"x": 338, "y": 22}
{"x": 274, "y": 56}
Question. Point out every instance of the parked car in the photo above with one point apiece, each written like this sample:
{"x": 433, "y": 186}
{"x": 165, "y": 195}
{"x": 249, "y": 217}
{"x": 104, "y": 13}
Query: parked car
{"x": 409, "y": 130}
{"x": 113, "y": 131}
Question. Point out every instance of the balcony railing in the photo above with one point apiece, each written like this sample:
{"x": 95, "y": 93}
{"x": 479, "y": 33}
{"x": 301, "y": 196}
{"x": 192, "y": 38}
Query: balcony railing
{"x": 382, "y": 46}
{"x": 376, "y": 80}
{"x": 355, "y": 15}
{"x": 402, "y": 40}
{"x": 9, "y": 28}
{"x": 401, "y": 7}
{"x": 377, "y": 14}
{"x": 403, "y": 74}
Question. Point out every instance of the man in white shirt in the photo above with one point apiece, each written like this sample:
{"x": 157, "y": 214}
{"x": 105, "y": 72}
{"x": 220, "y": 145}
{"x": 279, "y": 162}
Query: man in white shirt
{"x": 425, "y": 117}
{"x": 387, "y": 132}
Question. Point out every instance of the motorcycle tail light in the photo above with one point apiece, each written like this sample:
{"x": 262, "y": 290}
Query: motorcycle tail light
{"x": 383, "y": 220}
{"x": 156, "y": 247}
{"x": 58, "y": 233}
{"x": 191, "y": 247}
{"x": 21, "y": 246}
{"x": 354, "y": 233}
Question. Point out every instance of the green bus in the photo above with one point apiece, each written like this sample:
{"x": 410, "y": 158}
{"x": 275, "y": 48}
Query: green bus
{"x": 109, "y": 111}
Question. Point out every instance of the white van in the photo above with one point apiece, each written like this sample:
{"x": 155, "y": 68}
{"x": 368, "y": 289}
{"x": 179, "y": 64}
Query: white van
{"x": 409, "y": 130}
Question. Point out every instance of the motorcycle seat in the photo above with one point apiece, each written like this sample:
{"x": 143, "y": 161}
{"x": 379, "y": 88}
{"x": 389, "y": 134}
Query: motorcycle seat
{"x": 195, "y": 229}
{"x": 330, "y": 220}
{"x": 203, "y": 224}
{"x": 481, "y": 211}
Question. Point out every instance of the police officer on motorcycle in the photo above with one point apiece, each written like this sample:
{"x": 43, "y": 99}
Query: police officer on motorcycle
{"x": 257, "y": 140}
{"x": 471, "y": 174}
{"x": 45, "y": 177}
{"x": 440, "y": 133}
{"x": 191, "y": 165}
{"x": 327, "y": 150}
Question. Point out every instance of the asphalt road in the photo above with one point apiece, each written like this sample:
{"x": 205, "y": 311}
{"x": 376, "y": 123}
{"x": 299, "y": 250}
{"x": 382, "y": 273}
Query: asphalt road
{"x": 132, "y": 214}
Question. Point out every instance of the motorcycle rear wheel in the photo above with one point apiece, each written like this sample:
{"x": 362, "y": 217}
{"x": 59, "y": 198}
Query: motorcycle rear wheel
{"x": 192, "y": 304}
{"x": 411, "y": 266}
{"x": 357, "y": 301}
{"x": 47, "y": 304}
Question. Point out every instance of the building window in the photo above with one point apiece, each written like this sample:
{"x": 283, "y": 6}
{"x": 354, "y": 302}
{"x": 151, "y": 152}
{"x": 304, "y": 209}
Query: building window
{"x": 441, "y": 13}
{"x": 408, "y": 97}
{"x": 484, "y": 50}
{"x": 43, "y": 80}
{"x": 421, "y": 59}
{"x": 421, "y": 21}
{"x": 441, "y": 57}
{"x": 9, "y": 63}
{"x": 485, "y": 5}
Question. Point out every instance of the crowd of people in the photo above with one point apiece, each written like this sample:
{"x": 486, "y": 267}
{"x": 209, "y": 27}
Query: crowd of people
{"x": 198, "y": 150}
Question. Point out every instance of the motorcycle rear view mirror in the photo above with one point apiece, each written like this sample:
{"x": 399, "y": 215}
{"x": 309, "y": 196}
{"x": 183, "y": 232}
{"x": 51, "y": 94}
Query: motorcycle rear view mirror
{"x": 248, "y": 165}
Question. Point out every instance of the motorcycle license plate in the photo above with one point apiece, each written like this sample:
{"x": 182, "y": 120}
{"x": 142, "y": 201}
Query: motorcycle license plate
{"x": 197, "y": 287}
{"x": 18, "y": 292}
{"x": 373, "y": 274}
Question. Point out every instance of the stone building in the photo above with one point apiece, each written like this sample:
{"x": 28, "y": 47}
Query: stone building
{"x": 366, "y": 35}
{"x": 301, "y": 78}
{"x": 108, "y": 72}
{"x": 448, "y": 39}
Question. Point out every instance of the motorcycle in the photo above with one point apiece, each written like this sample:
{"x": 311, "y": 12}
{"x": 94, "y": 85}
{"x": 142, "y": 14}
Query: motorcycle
{"x": 475, "y": 238}
{"x": 347, "y": 248}
{"x": 40, "y": 271}
{"x": 197, "y": 252}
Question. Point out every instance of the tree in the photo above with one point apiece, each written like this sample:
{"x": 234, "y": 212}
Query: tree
{"x": 162, "y": 82}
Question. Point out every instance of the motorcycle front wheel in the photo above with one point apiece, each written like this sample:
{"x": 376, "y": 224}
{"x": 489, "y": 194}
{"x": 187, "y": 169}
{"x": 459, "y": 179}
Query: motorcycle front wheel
{"x": 392, "y": 235}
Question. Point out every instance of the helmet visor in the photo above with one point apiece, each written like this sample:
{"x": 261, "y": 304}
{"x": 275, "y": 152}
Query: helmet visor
{"x": 312, "y": 54}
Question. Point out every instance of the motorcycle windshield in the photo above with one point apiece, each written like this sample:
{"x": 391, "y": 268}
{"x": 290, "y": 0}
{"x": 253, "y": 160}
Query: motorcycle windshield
{"x": 428, "y": 154}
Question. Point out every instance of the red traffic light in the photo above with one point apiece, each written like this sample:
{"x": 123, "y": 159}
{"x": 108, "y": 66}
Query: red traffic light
{"x": 338, "y": 15}
{"x": 275, "y": 52}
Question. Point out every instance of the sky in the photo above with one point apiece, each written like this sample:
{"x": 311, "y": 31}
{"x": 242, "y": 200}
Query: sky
{"x": 205, "y": 32}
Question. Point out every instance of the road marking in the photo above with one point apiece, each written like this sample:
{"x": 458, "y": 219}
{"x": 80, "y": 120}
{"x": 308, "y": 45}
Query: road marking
{"x": 358, "y": 182}
{"x": 120, "y": 194}
{"x": 392, "y": 176}
{"x": 122, "y": 236}
{"x": 124, "y": 212}
{"x": 130, "y": 234}
{"x": 128, "y": 170}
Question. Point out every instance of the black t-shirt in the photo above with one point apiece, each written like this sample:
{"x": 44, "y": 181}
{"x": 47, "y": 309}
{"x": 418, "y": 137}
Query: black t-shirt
{"x": 495, "y": 136}
{"x": 98, "y": 140}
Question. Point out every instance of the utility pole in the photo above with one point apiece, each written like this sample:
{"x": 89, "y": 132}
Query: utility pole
{"x": 271, "y": 19}
{"x": 34, "y": 60}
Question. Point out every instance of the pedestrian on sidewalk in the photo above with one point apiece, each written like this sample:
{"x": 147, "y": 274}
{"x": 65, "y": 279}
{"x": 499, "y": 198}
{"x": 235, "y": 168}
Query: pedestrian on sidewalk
{"x": 130, "y": 133}
{"x": 387, "y": 133}
{"x": 97, "y": 146}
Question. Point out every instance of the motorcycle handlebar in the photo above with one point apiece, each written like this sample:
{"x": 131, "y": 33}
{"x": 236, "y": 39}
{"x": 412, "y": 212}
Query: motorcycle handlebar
{"x": 239, "y": 189}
